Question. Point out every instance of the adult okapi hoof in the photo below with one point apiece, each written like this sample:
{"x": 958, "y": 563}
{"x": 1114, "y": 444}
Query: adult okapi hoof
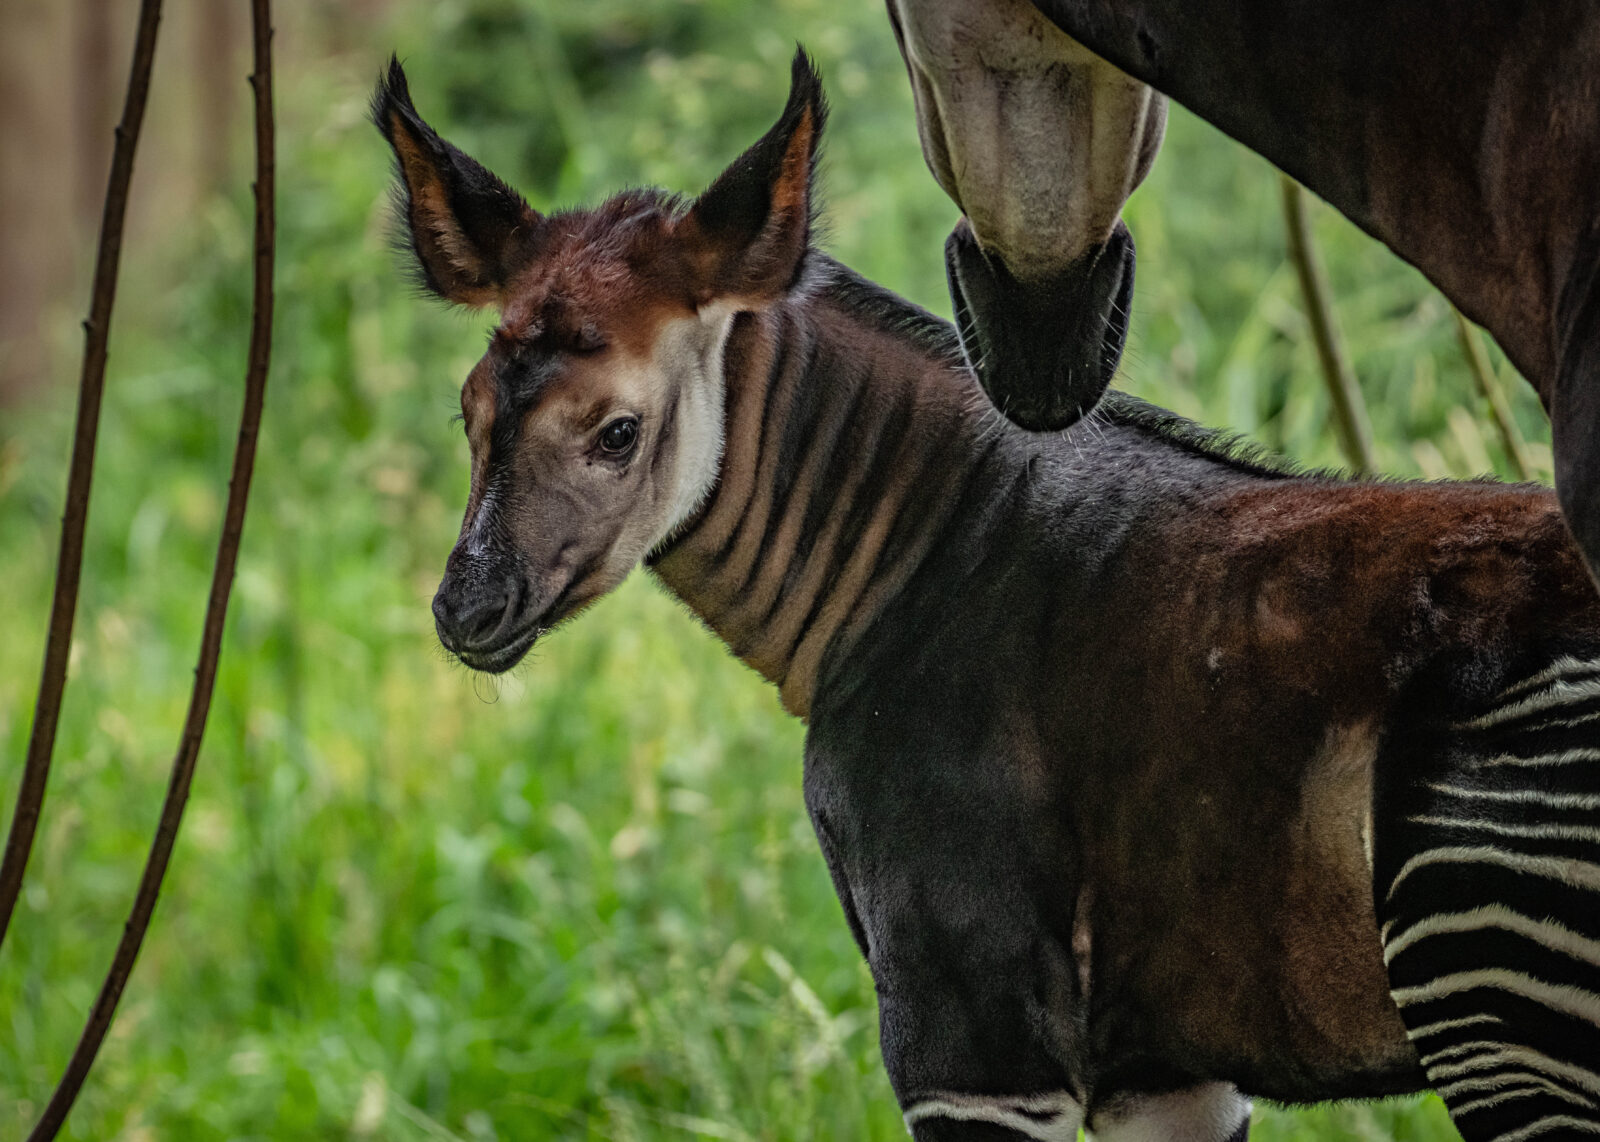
{"x": 1044, "y": 350}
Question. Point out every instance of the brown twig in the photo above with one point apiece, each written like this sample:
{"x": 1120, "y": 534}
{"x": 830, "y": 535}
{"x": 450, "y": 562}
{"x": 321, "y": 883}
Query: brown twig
{"x": 1349, "y": 409}
{"x": 244, "y": 456}
{"x": 91, "y": 385}
{"x": 1489, "y": 388}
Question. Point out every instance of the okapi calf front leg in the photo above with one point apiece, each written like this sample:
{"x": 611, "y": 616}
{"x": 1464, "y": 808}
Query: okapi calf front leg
{"x": 955, "y": 877}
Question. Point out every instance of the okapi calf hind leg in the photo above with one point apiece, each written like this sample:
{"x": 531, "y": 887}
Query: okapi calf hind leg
{"x": 1480, "y": 845}
{"x": 1039, "y": 142}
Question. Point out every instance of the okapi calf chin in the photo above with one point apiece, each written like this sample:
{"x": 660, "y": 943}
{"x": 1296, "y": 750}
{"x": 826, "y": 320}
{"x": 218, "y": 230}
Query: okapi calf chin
{"x": 1151, "y": 777}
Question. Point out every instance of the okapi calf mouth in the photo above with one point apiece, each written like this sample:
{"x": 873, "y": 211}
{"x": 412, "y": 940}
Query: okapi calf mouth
{"x": 470, "y": 636}
{"x": 1362, "y": 719}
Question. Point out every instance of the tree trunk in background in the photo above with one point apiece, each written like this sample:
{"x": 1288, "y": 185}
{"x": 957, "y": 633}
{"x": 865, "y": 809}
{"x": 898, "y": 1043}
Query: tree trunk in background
{"x": 92, "y": 102}
{"x": 62, "y": 68}
{"x": 219, "y": 80}
{"x": 38, "y": 183}
{"x": 344, "y": 27}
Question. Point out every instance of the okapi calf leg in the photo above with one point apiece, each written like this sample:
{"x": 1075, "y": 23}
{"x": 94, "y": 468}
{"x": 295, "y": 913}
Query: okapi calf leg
{"x": 982, "y": 955}
{"x": 1039, "y": 142}
{"x": 1211, "y": 1113}
{"x": 1215, "y": 1112}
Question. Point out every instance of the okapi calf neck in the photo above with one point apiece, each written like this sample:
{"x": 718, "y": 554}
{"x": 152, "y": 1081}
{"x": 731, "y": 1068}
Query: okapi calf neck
{"x": 1151, "y": 776}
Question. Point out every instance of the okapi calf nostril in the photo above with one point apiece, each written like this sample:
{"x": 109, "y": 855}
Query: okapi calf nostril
{"x": 467, "y": 616}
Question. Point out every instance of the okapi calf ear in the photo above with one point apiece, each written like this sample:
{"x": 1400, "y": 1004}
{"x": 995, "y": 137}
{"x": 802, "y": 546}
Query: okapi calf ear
{"x": 469, "y": 230}
{"x": 747, "y": 235}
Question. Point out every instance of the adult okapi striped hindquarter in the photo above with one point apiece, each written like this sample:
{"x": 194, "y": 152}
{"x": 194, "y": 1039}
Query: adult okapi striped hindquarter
{"x": 1151, "y": 777}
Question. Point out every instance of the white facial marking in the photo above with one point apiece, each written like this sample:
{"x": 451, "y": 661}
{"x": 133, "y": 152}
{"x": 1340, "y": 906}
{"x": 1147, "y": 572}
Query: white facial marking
{"x": 1038, "y": 140}
{"x": 690, "y": 352}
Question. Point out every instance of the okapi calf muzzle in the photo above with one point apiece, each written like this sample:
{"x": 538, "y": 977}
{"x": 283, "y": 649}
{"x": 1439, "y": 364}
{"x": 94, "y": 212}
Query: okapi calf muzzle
{"x": 482, "y": 615}
{"x": 1044, "y": 350}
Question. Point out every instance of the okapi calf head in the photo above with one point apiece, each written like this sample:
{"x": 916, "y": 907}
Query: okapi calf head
{"x": 595, "y": 418}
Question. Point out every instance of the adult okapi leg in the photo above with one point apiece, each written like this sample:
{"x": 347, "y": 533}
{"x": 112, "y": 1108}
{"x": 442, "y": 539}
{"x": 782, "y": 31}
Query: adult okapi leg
{"x": 1575, "y": 408}
{"x": 1039, "y": 142}
{"x": 1487, "y": 885}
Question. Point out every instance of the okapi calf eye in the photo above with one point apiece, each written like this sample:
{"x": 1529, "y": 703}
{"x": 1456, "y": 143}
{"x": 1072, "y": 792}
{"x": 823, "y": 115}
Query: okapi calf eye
{"x": 618, "y": 438}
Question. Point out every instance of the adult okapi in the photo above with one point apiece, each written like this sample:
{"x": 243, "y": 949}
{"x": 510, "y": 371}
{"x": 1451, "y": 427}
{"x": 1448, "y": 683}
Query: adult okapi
{"x": 1465, "y": 136}
{"x": 1151, "y": 776}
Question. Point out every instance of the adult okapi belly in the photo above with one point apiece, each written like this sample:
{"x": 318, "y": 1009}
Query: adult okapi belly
{"x": 1233, "y": 931}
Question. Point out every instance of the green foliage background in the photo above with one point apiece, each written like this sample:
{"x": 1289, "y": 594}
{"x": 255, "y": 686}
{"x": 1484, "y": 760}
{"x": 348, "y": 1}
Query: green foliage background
{"x": 582, "y": 902}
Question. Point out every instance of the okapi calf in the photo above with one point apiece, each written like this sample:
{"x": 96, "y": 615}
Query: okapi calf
{"x": 1151, "y": 776}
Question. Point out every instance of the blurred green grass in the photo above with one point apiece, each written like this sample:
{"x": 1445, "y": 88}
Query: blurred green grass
{"x": 583, "y": 902}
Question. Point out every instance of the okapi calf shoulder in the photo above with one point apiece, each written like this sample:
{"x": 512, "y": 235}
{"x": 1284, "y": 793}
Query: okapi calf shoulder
{"x": 1151, "y": 776}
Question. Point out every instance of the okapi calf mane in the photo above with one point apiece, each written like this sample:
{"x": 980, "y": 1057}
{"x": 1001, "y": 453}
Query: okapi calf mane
{"x": 1152, "y": 776}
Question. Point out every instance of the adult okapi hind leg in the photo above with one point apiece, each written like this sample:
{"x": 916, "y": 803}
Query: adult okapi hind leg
{"x": 1574, "y": 407}
{"x": 1487, "y": 892}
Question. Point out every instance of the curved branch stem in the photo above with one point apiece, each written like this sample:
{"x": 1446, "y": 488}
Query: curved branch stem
{"x": 91, "y": 385}
{"x": 183, "y": 763}
{"x": 1489, "y": 388}
{"x": 1349, "y": 409}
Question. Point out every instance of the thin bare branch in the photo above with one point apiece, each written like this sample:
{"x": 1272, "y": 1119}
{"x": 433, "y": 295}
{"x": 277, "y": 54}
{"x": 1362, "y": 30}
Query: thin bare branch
{"x": 91, "y": 385}
{"x": 244, "y": 455}
{"x": 1349, "y": 408}
{"x": 1489, "y": 388}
